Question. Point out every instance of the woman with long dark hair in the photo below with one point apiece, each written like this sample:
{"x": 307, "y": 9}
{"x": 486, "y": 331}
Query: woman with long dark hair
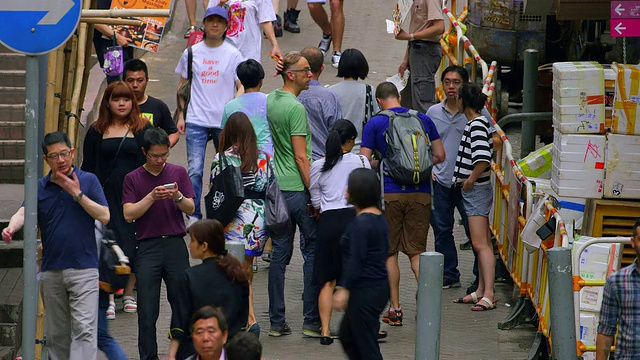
{"x": 239, "y": 144}
{"x": 112, "y": 149}
{"x": 220, "y": 281}
{"x": 473, "y": 174}
{"x": 328, "y": 184}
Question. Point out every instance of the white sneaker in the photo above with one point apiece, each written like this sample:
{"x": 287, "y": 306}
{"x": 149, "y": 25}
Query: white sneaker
{"x": 190, "y": 221}
{"x": 324, "y": 44}
{"x": 335, "y": 59}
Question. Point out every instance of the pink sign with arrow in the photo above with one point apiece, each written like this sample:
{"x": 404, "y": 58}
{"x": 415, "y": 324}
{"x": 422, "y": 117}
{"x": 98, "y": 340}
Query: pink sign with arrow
{"x": 625, "y": 19}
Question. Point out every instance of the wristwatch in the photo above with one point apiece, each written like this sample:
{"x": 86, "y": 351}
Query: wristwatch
{"x": 411, "y": 37}
{"x": 78, "y": 197}
{"x": 179, "y": 200}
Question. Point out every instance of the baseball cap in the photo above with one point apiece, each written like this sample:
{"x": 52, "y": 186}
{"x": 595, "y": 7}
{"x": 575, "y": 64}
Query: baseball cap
{"x": 217, "y": 10}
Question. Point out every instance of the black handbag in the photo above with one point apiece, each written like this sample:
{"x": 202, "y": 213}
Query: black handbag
{"x": 226, "y": 194}
{"x": 276, "y": 212}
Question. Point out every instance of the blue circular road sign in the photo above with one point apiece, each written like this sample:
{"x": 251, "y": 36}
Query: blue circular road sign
{"x": 36, "y": 27}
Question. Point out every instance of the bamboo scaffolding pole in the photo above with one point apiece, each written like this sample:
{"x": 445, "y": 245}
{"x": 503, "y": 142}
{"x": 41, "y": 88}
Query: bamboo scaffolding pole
{"x": 40, "y": 322}
{"x": 109, "y": 21}
{"x": 86, "y": 12}
{"x": 69, "y": 72}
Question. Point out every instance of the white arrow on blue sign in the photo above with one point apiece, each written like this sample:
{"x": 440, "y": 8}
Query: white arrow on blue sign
{"x": 36, "y": 27}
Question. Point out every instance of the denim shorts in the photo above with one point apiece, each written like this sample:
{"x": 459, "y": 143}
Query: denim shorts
{"x": 479, "y": 200}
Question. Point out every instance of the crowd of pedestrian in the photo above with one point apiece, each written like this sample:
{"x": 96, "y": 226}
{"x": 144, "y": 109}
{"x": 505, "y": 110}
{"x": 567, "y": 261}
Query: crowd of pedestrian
{"x": 352, "y": 165}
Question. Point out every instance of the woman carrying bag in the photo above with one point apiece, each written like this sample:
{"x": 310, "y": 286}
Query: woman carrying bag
{"x": 238, "y": 148}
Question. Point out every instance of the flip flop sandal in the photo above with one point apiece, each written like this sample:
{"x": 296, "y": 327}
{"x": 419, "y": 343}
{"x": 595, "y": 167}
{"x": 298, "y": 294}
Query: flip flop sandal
{"x": 474, "y": 298}
{"x": 266, "y": 256}
{"x": 480, "y": 307}
{"x": 190, "y": 31}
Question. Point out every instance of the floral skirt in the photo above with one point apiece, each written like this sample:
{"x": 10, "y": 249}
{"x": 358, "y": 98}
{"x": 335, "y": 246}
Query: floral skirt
{"x": 248, "y": 227}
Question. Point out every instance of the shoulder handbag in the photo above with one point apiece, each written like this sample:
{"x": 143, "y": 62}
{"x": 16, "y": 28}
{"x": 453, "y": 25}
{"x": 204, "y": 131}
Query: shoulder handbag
{"x": 227, "y": 193}
{"x": 276, "y": 212}
{"x": 115, "y": 158}
{"x": 368, "y": 105}
{"x": 184, "y": 91}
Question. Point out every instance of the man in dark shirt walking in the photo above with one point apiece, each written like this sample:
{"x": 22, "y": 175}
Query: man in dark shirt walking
{"x": 154, "y": 110}
{"x": 156, "y": 195}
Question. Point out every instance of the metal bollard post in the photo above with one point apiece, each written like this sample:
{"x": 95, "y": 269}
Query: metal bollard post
{"x": 563, "y": 319}
{"x": 429, "y": 304}
{"x": 529, "y": 86}
{"x": 236, "y": 248}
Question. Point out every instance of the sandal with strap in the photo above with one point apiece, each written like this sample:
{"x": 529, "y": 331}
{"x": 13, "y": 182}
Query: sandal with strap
{"x": 111, "y": 311}
{"x": 130, "y": 305}
{"x": 190, "y": 31}
{"x": 480, "y": 307}
{"x": 474, "y": 299}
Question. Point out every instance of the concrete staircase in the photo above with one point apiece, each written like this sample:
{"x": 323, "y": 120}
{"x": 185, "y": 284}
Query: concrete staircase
{"x": 12, "y": 99}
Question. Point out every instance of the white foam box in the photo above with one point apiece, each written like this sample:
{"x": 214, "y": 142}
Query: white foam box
{"x": 626, "y": 103}
{"x": 622, "y": 174}
{"x": 588, "y": 327}
{"x": 578, "y": 97}
{"x": 570, "y": 208}
{"x": 589, "y": 356}
{"x": 578, "y": 165}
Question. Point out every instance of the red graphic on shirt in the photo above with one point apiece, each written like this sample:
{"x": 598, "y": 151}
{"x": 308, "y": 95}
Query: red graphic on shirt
{"x": 236, "y": 19}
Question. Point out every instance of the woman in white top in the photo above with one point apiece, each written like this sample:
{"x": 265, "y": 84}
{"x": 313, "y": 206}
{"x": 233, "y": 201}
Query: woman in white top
{"x": 329, "y": 177}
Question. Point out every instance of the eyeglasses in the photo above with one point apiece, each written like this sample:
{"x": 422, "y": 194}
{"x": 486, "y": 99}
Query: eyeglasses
{"x": 454, "y": 82}
{"x": 307, "y": 69}
{"x": 63, "y": 154}
{"x": 158, "y": 156}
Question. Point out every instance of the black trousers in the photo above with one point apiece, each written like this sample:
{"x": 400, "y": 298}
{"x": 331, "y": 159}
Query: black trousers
{"x": 361, "y": 322}
{"x": 156, "y": 260}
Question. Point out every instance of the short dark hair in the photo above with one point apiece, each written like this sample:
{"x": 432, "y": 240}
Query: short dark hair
{"x": 353, "y": 65}
{"x": 314, "y": 57}
{"x": 155, "y": 136}
{"x": 134, "y": 65}
{"x": 250, "y": 72}
{"x": 53, "y": 138}
{"x": 464, "y": 74}
{"x": 364, "y": 188}
{"x": 386, "y": 90}
{"x": 472, "y": 96}
{"x": 208, "y": 312}
{"x": 635, "y": 227}
{"x": 244, "y": 346}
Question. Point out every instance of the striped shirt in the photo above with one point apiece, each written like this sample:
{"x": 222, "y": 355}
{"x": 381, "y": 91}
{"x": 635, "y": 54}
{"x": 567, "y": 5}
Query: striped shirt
{"x": 476, "y": 146}
{"x": 621, "y": 309}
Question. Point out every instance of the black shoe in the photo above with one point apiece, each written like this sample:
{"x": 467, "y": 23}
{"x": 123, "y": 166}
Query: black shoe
{"x": 277, "y": 331}
{"x": 326, "y": 340}
{"x": 382, "y": 334}
{"x": 473, "y": 287}
{"x": 448, "y": 284}
{"x": 466, "y": 246}
{"x": 277, "y": 26}
{"x": 291, "y": 21}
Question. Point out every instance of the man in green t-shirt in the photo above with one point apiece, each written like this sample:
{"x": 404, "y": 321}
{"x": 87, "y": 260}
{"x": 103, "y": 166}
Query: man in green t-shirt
{"x": 292, "y": 148}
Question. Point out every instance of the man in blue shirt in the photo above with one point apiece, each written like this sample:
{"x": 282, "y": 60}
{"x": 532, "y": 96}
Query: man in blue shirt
{"x": 69, "y": 202}
{"x": 621, "y": 310}
{"x": 322, "y": 105}
{"x": 407, "y": 208}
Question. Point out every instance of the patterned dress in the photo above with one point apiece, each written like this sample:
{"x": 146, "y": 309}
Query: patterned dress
{"x": 248, "y": 224}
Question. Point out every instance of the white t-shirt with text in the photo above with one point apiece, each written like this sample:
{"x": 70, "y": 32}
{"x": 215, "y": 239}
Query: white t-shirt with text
{"x": 213, "y": 85}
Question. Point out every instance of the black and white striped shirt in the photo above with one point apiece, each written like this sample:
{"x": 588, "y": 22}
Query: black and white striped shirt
{"x": 476, "y": 146}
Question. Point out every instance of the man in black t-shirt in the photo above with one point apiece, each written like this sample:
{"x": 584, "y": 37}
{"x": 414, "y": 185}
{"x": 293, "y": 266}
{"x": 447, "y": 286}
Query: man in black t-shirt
{"x": 153, "y": 110}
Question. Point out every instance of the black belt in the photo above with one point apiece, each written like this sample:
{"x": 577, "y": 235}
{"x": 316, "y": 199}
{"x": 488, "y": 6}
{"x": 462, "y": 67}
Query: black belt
{"x": 419, "y": 43}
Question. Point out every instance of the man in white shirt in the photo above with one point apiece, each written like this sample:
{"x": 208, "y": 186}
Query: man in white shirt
{"x": 214, "y": 83}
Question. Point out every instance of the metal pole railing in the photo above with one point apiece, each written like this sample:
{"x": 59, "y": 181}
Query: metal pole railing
{"x": 429, "y": 304}
{"x": 561, "y": 307}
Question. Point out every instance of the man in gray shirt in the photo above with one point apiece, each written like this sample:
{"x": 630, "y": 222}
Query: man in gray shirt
{"x": 446, "y": 196}
{"x": 322, "y": 104}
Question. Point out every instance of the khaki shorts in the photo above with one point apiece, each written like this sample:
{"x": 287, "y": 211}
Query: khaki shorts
{"x": 408, "y": 216}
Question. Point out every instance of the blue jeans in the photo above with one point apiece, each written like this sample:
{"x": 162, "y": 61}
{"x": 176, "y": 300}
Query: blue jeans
{"x": 107, "y": 344}
{"x": 283, "y": 250}
{"x": 445, "y": 201}
{"x": 197, "y": 139}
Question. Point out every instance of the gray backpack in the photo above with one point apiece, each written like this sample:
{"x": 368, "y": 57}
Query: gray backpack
{"x": 408, "y": 159}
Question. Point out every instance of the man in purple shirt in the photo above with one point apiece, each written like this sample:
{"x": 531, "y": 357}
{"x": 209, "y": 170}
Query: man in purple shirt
{"x": 156, "y": 195}
{"x": 322, "y": 105}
